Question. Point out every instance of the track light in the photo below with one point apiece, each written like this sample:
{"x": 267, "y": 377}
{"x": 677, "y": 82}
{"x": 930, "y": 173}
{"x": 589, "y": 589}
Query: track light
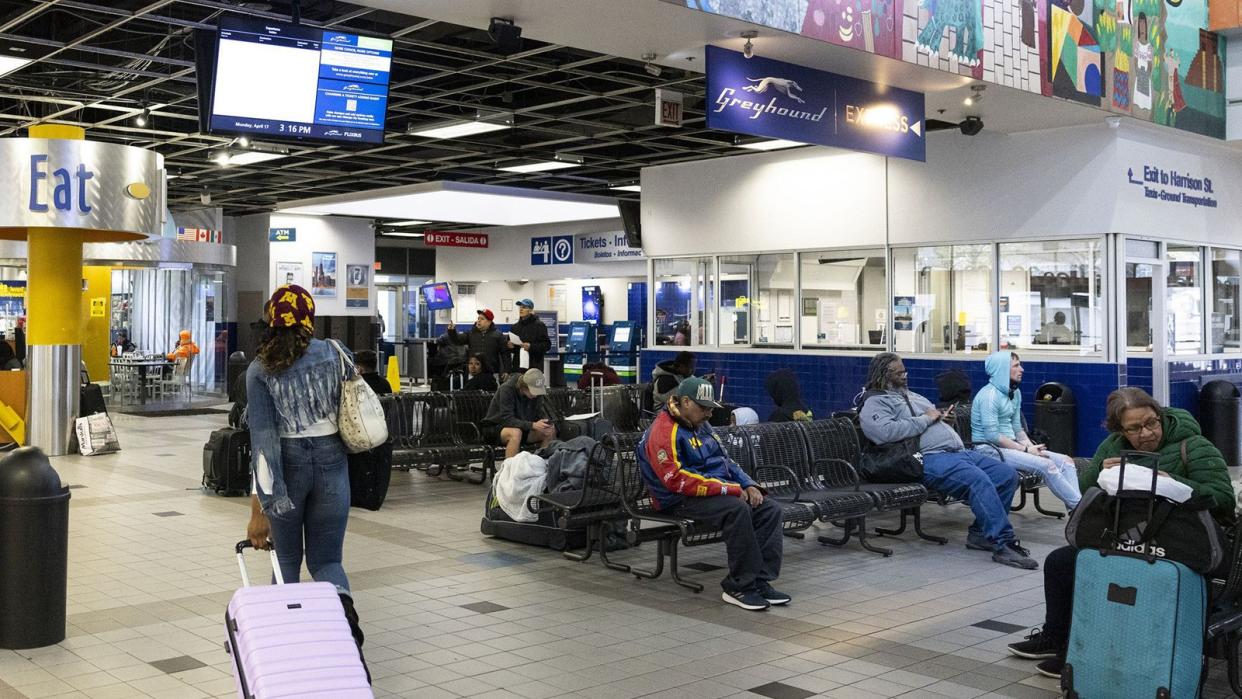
{"x": 221, "y": 158}
{"x": 748, "y": 49}
{"x": 243, "y": 141}
{"x": 141, "y": 119}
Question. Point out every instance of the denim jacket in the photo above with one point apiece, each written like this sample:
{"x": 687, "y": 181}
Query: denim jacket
{"x": 287, "y": 403}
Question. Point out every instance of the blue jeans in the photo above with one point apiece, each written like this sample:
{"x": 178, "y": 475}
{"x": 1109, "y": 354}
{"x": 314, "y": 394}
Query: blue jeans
{"x": 1060, "y": 474}
{"x": 317, "y": 477}
{"x": 986, "y": 484}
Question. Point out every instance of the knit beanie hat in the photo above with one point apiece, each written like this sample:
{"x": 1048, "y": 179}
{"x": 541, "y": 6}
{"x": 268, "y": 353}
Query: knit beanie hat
{"x": 292, "y": 306}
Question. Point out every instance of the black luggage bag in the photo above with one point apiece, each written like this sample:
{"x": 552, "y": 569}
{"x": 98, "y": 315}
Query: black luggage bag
{"x": 369, "y": 474}
{"x": 543, "y": 532}
{"x": 91, "y": 400}
{"x": 226, "y": 462}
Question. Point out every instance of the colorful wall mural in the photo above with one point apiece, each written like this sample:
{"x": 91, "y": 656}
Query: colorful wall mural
{"x": 1150, "y": 59}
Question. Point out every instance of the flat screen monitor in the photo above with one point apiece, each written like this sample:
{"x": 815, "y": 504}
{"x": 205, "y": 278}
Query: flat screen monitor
{"x": 289, "y": 81}
{"x": 438, "y": 296}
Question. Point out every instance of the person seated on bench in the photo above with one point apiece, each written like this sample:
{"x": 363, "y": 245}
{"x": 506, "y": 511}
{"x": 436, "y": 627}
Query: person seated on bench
{"x": 782, "y": 387}
{"x": 519, "y": 413}
{"x": 480, "y": 379}
{"x": 1136, "y": 421}
{"x": 689, "y": 476}
{"x": 996, "y": 418}
{"x": 366, "y": 361}
{"x": 893, "y": 413}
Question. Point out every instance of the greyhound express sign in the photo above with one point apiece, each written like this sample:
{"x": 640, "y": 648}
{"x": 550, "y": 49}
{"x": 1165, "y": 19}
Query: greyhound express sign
{"x": 774, "y": 99}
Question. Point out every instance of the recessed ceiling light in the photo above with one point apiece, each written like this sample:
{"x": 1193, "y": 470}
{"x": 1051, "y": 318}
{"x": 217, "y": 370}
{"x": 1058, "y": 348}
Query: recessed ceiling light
{"x": 409, "y": 223}
{"x": 625, "y": 187}
{"x": 8, "y": 64}
{"x": 774, "y": 144}
{"x": 485, "y": 122}
{"x": 251, "y": 157}
{"x": 542, "y": 166}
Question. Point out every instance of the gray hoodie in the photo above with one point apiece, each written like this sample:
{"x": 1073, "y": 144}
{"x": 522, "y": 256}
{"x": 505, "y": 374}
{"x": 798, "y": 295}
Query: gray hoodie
{"x": 886, "y": 418}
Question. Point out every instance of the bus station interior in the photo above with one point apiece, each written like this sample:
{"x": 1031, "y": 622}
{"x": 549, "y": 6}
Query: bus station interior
{"x": 1091, "y": 228}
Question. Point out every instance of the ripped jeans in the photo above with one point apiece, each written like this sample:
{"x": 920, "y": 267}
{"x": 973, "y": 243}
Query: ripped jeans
{"x": 1060, "y": 474}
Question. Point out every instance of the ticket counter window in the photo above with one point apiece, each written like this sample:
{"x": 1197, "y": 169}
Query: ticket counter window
{"x": 1226, "y": 300}
{"x": 1051, "y": 296}
{"x": 757, "y": 300}
{"x": 1184, "y": 299}
{"x": 942, "y": 299}
{"x": 737, "y": 281}
{"x": 844, "y": 299}
{"x": 684, "y": 301}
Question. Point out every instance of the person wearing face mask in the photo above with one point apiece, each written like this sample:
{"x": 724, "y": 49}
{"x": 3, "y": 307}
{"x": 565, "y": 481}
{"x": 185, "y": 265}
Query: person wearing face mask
{"x": 1136, "y": 421}
{"x": 996, "y": 418}
{"x": 689, "y": 475}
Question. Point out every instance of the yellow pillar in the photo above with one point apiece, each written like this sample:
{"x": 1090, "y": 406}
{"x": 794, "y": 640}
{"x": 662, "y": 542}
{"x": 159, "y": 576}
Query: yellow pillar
{"x": 54, "y": 321}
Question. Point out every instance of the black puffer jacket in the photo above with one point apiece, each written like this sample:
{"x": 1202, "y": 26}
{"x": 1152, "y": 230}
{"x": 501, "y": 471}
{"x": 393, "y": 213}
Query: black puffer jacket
{"x": 534, "y": 331}
{"x": 782, "y": 387}
{"x": 489, "y": 343}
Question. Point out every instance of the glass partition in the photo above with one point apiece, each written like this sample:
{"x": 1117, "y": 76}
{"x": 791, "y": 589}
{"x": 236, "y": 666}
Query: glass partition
{"x": 736, "y": 280}
{"x": 1052, "y": 296}
{"x": 942, "y": 299}
{"x": 844, "y": 301}
{"x": 684, "y": 291}
{"x": 1184, "y": 299}
{"x": 1226, "y": 300}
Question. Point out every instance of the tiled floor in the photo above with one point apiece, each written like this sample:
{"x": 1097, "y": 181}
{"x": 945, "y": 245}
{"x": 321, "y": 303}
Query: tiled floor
{"x": 449, "y": 612}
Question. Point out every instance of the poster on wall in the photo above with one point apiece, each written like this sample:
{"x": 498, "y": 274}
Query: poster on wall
{"x": 357, "y": 290}
{"x": 903, "y": 313}
{"x": 289, "y": 273}
{"x": 323, "y": 274}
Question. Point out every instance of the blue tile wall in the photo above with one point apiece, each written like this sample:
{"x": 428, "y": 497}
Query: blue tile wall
{"x": 636, "y": 307}
{"x": 830, "y": 382}
{"x": 1138, "y": 373}
{"x": 1184, "y": 379}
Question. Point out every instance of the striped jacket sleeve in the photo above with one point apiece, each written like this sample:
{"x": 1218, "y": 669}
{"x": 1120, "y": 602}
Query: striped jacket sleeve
{"x": 667, "y": 464}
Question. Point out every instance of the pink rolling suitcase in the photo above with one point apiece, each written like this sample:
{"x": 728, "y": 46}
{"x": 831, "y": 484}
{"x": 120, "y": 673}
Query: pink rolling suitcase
{"x": 292, "y": 640}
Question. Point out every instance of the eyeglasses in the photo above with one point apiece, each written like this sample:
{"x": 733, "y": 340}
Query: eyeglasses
{"x": 1151, "y": 425}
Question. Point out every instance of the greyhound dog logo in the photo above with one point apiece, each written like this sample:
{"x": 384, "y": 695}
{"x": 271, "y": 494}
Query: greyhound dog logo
{"x": 785, "y": 86}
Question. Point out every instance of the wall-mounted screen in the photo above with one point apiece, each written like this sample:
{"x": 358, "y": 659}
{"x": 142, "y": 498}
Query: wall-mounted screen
{"x": 438, "y": 296}
{"x": 280, "y": 80}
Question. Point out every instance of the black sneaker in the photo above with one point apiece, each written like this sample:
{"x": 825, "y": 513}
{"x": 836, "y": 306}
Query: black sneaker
{"x": 976, "y": 541}
{"x": 1013, "y": 555}
{"x": 773, "y": 597}
{"x": 749, "y": 599}
{"x": 1017, "y": 546}
{"x": 1051, "y": 667}
{"x": 1037, "y": 646}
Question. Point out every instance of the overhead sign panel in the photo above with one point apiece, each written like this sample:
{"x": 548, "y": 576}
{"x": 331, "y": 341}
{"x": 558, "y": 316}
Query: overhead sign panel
{"x": 774, "y": 99}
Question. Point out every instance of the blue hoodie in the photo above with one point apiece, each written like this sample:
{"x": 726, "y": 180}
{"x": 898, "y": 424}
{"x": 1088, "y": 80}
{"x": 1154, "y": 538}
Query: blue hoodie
{"x": 996, "y": 411}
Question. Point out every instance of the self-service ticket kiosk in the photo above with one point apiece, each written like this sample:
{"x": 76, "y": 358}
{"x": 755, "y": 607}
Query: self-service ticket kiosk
{"x": 623, "y": 344}
{"x": 580, "y": 348}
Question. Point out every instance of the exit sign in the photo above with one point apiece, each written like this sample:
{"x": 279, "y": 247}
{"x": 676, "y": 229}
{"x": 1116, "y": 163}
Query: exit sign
{"x": 668, "y": 108}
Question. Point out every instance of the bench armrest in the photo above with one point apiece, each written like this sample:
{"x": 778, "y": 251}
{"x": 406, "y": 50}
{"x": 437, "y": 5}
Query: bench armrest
{"x": 769, "y": 474}
{"x": 823, "y": 469}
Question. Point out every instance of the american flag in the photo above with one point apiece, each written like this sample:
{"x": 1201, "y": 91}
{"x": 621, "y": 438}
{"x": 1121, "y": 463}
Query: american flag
{"x": 200, "y": 235}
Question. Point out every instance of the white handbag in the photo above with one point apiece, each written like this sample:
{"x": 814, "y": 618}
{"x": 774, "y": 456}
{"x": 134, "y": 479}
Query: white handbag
{"x": 360, "y": 417}
{"x": 96, "y": 435}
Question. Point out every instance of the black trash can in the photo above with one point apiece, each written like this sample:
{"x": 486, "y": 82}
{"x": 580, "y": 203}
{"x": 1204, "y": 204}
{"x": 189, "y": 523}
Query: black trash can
{"x": 1056, "y": 415}
{"x": 237, "y": 366}
{"x": 34, "y": 549}
{"x": 1220, "y": 416}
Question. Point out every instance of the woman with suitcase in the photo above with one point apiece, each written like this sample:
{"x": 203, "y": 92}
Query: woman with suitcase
{"x": 301, "y": 475}
{"x": 1137, "y": 422}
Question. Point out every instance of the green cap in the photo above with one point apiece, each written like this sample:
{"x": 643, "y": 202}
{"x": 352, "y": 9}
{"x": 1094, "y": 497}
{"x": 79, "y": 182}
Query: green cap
{"x": 699, "y": 391}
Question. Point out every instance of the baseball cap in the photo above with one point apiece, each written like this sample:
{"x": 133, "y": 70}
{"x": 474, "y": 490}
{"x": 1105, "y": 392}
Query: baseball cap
{"x": 526, "y": 303}
{"x": 699, "y": 391}
{"x": 487, "y": 313}
{"x": 534, "y": 382}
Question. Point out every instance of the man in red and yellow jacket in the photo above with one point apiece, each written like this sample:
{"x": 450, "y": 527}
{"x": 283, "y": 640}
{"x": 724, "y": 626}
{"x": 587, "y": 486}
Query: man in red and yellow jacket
{"x": 689, "y": 475}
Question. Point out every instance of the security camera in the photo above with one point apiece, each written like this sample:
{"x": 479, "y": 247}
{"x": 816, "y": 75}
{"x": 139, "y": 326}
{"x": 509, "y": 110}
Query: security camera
{"x": 748, "y": 49}
{"x": 653, "y": 70}
{"x": 971, "y": 125}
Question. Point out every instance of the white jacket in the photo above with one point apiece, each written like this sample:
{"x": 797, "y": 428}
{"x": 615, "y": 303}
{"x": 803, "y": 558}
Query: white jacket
{"x": 519, "y": 478}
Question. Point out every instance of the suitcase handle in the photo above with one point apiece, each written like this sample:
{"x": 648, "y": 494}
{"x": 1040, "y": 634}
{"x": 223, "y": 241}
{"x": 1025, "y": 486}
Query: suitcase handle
{"x": 241, "y": 563}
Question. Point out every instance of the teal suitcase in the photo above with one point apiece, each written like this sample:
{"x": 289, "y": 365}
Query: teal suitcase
{"x": 1137, "y": 629}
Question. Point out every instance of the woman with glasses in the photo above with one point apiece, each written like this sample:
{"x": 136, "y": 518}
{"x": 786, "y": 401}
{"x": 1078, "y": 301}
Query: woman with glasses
{"x": 1137, "y": 422}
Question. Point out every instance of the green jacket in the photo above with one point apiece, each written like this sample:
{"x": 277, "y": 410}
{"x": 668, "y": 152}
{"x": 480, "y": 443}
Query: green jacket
{"x": 1204, "y": 469}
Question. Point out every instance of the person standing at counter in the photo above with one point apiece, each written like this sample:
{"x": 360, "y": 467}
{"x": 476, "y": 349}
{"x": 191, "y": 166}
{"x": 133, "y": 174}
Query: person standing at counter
{"x": 533, "y": 334}
{"x": 486, "y": 340}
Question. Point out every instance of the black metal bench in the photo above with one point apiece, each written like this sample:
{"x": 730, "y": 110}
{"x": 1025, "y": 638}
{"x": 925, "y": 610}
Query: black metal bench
{"x": 672, "y": 532}
{"x": 1029, "y": 482}
{"x": 836, "y": 441}
{"x": 431, "y": 439}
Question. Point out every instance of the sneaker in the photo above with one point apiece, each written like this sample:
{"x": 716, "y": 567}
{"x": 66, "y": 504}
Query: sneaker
{"x": 1037, "y": 646}
{"x": 1051, "y": 667}
{"x": 773, "y": 597}
{"x": 749, "y": 599}
{"x": 1014, "y": 555}
{"x": 1017, "y": 546}
{"x": 978, "y": 542}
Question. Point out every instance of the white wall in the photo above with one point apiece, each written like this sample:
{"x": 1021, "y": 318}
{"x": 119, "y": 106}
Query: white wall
{"x": 351, "y": 239}
{"x": 791, "y": 200}
{"x": 501, "y": 268}
{"x": 1059, "y": 182}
